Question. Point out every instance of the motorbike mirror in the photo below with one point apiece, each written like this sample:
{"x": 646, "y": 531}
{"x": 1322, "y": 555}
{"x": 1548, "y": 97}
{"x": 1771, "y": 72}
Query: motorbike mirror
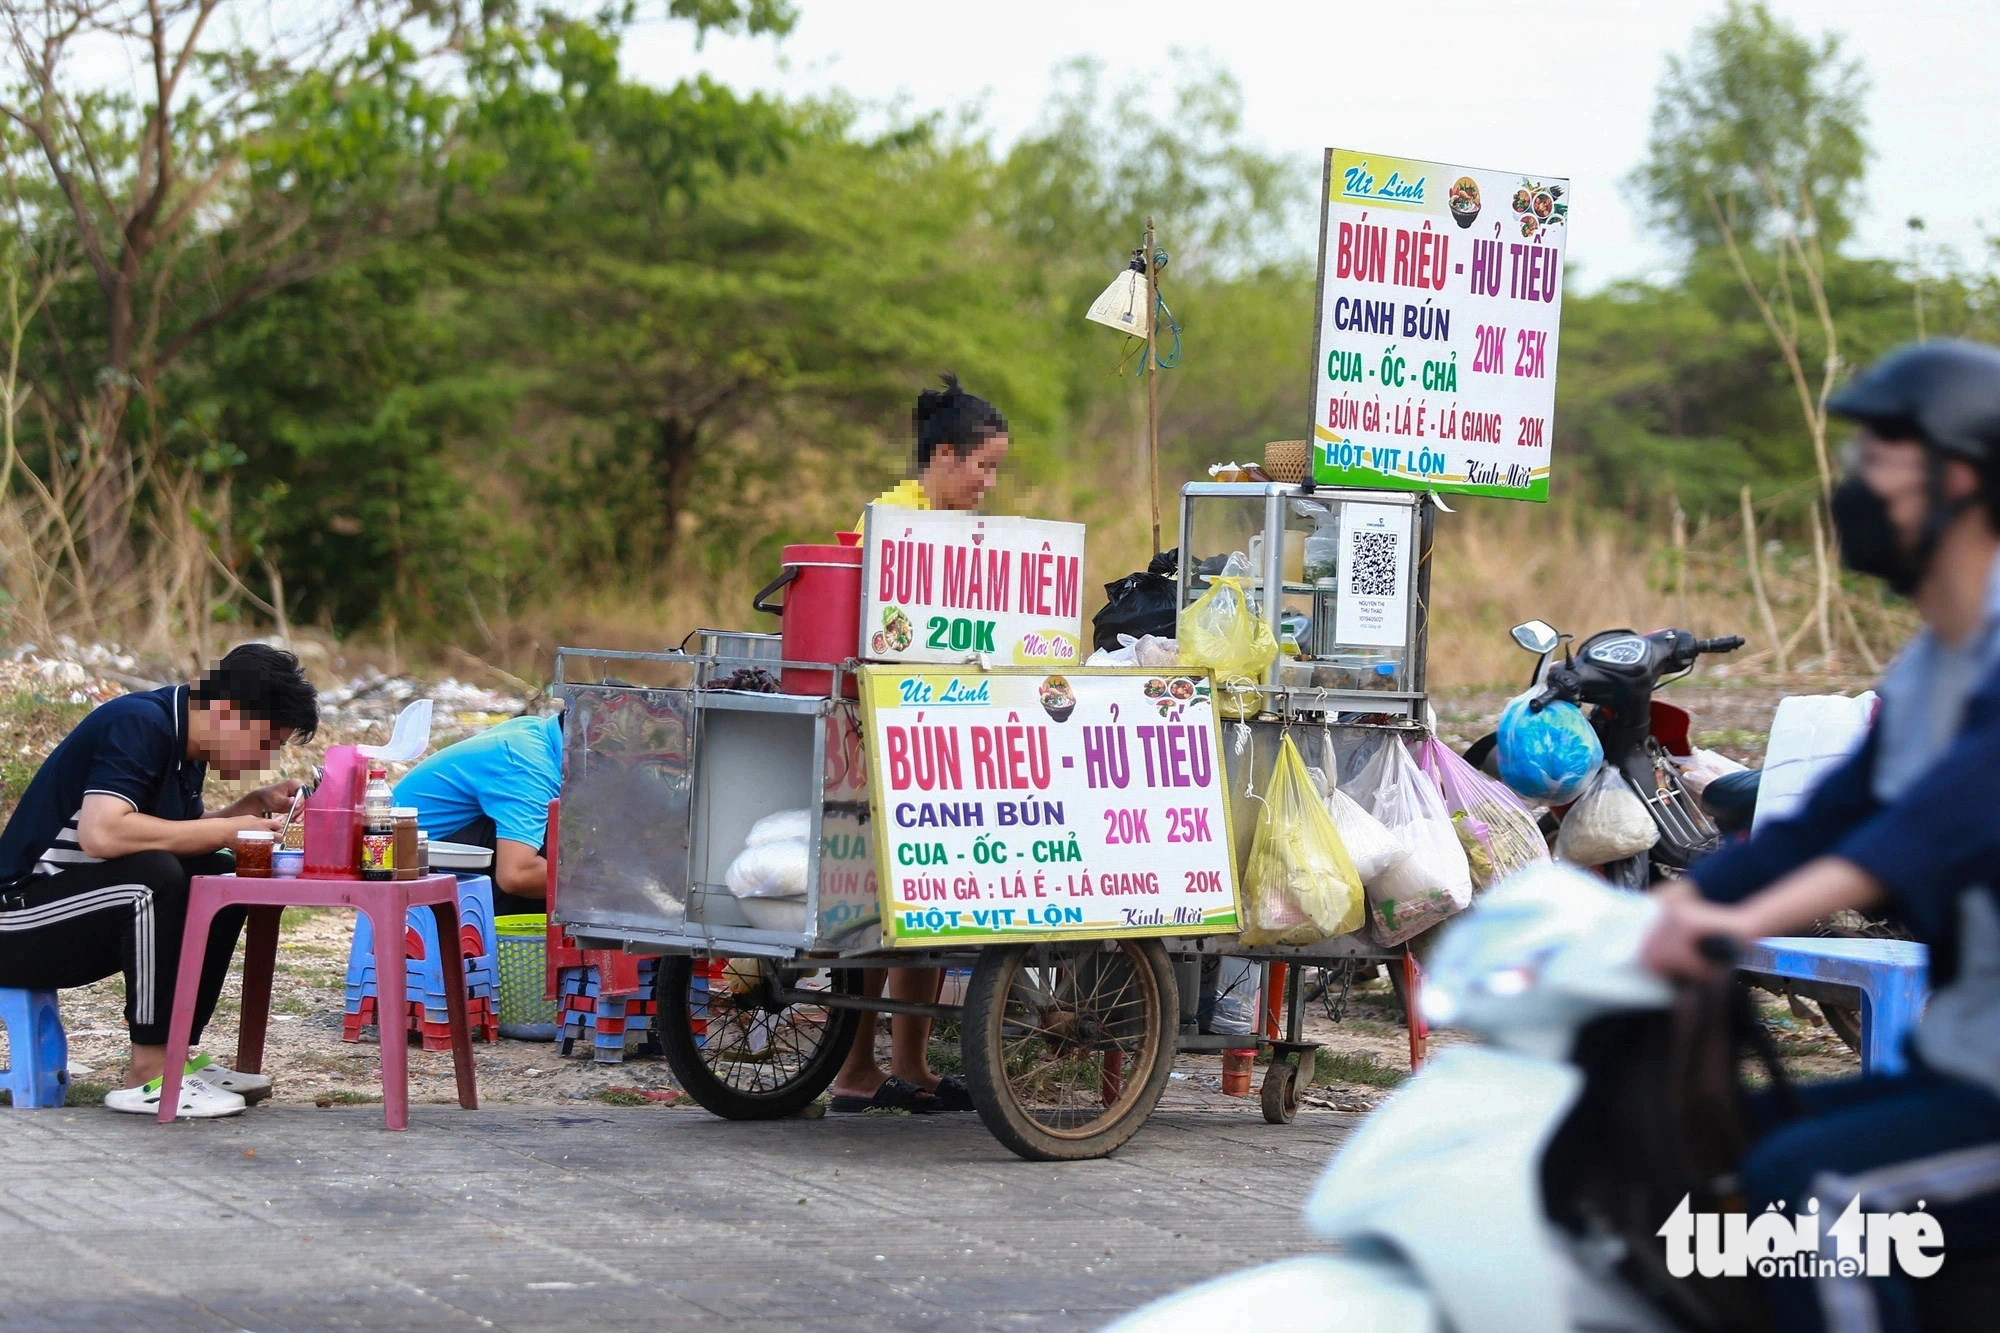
{"x": 1537, "y": 636}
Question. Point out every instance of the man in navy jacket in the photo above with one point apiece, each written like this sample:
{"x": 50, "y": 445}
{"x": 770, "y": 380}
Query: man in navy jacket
{"x": 1909, "y": 825}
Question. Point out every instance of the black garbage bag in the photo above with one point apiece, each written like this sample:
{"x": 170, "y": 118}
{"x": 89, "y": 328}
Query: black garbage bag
{"x": 1139, "y": 604}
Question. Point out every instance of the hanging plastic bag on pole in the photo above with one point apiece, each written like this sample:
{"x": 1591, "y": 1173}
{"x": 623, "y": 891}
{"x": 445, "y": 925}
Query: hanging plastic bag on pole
{"x": 1432, "y": 881}
{"x": 1498, "y": 833}
{"x": 1221, "y": 632}
{"x": 1370, "y": 845}
{"x": 1300, "y": 884}
{"x": 1608, "y": 823}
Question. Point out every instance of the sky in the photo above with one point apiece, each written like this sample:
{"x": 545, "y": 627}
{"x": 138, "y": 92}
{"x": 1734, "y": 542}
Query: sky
{"x": 1541, "y": 87}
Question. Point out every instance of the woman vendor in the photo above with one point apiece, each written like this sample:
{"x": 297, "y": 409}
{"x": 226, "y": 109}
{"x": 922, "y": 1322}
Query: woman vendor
{"x": 961, "y": 442}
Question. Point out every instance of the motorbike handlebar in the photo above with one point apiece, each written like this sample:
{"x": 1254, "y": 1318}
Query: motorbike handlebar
{"x": 1719, "y": 949}
{"x": 1727, "y": 644}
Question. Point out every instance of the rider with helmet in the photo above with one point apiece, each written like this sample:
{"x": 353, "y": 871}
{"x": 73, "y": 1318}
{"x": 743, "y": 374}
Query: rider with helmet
{"x": 1909, "y": 825}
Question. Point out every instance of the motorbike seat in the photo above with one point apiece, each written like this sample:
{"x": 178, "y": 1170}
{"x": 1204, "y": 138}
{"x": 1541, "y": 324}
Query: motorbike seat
{"x": 1731, "y": 799}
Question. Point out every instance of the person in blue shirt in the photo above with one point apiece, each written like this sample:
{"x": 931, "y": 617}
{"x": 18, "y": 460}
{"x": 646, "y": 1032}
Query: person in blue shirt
{"x": 493, "y": 790}
{"x": 1909, "y": 825}
{"x": 95, "y": 860}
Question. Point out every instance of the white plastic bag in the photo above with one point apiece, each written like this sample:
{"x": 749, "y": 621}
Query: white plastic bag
{"x": 1703, "y": 767}
{"x": 770, "y": 870}
{"x": 1373, "y": 848}
{"x": 1608, "y": 823}
{"x": 1810, "y": 735}
{"x": 786, "y": 824}
{"x": 1434, "y": 880}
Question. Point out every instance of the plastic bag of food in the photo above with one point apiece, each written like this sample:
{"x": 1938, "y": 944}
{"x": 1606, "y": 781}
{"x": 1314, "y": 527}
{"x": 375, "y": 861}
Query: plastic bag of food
{"x": 1231, "y": 1007}
{"x": 1300, "y": 886}
{"x": 1498, "y": 833}
{"x": 774, "y": 869}
{"x": 1703, "y": 767}
{"x": 1432, "y": 881}
{"x": 1546, "y": 756}
{"x": 1219, "y": 631}
{"x": 1608, "y": 823}
{"x": 780, "y": 827}
{"x": 1370, "y": 845}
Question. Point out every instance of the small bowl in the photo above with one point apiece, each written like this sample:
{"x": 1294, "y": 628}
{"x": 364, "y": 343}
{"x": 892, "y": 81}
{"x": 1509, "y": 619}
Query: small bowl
{"x": 287, "y": 865}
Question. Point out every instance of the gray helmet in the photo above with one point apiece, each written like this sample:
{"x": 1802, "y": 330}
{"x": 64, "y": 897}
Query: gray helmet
{"x": 1945, "y": 391}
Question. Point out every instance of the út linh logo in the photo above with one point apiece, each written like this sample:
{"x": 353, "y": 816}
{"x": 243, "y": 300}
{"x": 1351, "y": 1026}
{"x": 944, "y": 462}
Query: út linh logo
{"x": 1780, "y": 1244}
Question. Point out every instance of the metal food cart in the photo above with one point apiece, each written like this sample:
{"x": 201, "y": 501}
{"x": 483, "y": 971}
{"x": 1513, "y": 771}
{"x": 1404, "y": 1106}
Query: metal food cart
{"x": 1067, "y": 1043}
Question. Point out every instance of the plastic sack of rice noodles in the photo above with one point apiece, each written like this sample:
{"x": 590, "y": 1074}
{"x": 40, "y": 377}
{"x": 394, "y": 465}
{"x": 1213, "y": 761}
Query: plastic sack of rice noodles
{"x": 1373, "y": 849}
{"x": 1218, "y": 630}
{"x": 1432, "y": 881}
{"x": 1608, "y": 823}
{"x": 1498, "y": 833}
{"x": 1300, "y": 886}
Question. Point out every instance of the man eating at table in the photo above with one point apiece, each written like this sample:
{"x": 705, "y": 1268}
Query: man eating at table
{"x": 95, "y": 861}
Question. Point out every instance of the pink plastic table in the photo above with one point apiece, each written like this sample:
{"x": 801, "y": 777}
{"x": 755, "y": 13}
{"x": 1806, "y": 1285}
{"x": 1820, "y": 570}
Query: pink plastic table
{"x": 387, "y": 903}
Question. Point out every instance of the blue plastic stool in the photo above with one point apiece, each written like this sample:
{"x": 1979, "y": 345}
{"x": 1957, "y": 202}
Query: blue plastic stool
{"x": 1892, "y": 976}
{"x": 37, "y": 1072}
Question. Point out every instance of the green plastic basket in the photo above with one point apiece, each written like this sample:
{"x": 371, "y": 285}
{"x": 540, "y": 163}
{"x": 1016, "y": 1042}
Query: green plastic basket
{"x": 523, "y": 942}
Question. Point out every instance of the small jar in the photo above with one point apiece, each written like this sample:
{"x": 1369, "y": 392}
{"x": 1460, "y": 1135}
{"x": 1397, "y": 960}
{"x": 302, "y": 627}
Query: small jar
{"x": 423, "y": 852}
{"x": 287, "y": 864}
{"x": 404, "y": 820}
{"x": 253, "y": 853}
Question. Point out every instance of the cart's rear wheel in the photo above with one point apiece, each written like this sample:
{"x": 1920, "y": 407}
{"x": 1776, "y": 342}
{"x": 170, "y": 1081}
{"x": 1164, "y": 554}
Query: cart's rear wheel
{"x": 1068, "y": 1045}
{"x": 740, "y": 1051}
{"x": 1280, "y": 1092}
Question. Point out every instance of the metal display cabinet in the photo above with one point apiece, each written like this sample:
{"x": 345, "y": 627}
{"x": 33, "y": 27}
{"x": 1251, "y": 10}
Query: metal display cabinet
{"x": 660, "y": 787}
{"x": 1294, "y": 539}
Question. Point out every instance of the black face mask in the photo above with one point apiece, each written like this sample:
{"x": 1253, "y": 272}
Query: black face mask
{"x": 1869, "y": 542}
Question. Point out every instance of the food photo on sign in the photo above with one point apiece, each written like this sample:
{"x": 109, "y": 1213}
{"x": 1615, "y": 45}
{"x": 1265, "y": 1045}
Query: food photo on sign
{"x": 1440, "y": 299}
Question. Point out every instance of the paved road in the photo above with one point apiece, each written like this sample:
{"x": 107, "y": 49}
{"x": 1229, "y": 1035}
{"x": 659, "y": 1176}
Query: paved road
{"x": 608, "y": 1219}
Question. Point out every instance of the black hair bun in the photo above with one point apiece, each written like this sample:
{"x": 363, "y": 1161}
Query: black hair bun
{"x": 931, "y": 402}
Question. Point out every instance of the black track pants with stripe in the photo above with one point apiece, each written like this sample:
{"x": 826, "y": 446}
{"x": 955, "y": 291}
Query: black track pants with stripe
{"x": 122, "y": 915}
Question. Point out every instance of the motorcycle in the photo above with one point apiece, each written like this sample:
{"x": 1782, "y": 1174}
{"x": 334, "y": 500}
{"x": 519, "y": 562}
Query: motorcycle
{"x": 1616, "y": 673}
{"x": 1522, "y": 1184}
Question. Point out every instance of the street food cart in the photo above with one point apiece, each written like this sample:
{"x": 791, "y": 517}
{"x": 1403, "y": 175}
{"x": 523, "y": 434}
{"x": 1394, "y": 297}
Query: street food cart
{"x": 1069, "y": 834}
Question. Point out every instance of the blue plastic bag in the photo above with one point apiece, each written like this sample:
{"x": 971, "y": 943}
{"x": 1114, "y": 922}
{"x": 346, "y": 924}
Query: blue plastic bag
{"x": 1547, "y": 756}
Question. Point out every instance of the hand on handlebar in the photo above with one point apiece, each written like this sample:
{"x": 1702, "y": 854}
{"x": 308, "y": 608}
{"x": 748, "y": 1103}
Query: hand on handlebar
{"x": 1694, "y": 937}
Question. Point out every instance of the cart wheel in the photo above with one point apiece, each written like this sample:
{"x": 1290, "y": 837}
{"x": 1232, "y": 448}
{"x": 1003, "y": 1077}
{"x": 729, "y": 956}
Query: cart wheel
{"x": 1281, "y": 1092}
{"x": 1068, "y": 1045}
{"x": 1845, "y": 1020}
{"x": 739, "y": 1051}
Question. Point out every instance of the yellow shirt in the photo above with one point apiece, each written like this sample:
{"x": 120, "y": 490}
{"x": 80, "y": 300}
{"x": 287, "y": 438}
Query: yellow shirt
{"x": 904, "y": 495}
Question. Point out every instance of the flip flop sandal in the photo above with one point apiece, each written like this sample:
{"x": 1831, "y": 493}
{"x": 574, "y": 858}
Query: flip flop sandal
{"x": 951, "y": 1090}
{"x": 895, "y": 1094}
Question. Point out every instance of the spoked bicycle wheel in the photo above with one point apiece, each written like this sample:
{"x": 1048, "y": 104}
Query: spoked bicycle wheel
{"x": 737, "y": 1047}
{"x": 1068, "y": 1045}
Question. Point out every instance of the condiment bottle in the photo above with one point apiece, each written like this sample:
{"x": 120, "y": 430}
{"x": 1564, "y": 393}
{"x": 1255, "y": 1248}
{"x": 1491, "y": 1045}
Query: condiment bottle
{"x": 404, "y": 820}
{"x": 253, "y": 853}
{"x": 378, "y": 829}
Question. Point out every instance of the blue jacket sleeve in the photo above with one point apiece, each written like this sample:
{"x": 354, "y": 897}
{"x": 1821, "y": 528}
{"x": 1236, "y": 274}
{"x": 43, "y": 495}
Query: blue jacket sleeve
{"x": 1942, "y": 835}
{"x": 1841, "y": 802}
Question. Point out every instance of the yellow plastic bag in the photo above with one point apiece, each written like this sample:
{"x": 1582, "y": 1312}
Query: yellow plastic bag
{"x": 1219, "y": 631}
{"x": 1300, "y": 886}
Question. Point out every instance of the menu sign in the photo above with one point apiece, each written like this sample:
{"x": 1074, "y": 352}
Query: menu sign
{"x": 1440, "y": 297}
{"x": 1016, "y": 805}
{"x": 950, "y": 587}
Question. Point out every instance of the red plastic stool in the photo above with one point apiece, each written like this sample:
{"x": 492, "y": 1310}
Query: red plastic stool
{"x": 387, "y": 903}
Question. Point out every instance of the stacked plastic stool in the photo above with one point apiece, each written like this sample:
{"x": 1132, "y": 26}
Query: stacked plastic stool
{"x": 427, "y": 1018}
{"x": 37, "y": 1072}
{"x": 602, "y": 1021}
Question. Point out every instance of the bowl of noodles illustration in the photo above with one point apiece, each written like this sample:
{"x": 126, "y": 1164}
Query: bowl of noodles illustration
{"x": 1058, "y": 698}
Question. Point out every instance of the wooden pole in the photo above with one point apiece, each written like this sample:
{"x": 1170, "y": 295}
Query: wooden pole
{"x": 1757, "y": 585}
{"x": 1152, "y": 388}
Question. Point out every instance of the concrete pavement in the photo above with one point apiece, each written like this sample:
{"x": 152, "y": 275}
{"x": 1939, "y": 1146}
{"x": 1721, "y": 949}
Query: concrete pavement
{"x": 603, "y": 1218}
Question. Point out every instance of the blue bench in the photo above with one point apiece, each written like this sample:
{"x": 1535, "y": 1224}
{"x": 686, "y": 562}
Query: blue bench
{"x": 1890, "y": 974}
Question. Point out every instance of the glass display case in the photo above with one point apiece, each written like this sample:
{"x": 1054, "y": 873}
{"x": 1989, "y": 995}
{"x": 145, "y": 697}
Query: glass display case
{"x": 1342, "y": 577}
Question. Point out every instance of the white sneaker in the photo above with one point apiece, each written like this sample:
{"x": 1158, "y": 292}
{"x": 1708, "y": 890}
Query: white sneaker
{"x": 199, "y": 1101}
{"x": 252, "y": 1088}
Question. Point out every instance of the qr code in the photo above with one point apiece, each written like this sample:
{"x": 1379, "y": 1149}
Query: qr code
{"x": 1372, "y": 570}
